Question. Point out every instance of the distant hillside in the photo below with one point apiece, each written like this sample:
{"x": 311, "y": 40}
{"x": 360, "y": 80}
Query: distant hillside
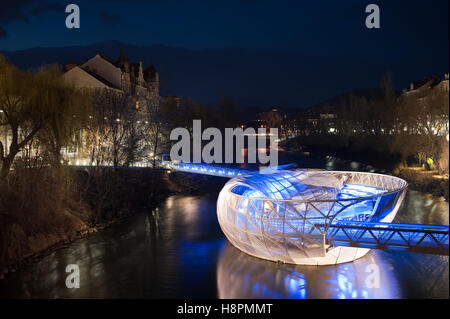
{"x": 253, "y": 79}
{"x": 332, "y": 105}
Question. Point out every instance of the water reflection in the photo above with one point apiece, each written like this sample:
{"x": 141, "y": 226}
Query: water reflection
{"x": 243, "y": 276}
{"x": 169, "y": 252}
{"x": 421, "y": 208}
{"x": 179, "y": 251}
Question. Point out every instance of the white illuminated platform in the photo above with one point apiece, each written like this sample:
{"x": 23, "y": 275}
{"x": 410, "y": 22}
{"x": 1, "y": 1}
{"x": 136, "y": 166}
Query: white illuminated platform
{"x": 286, "y": 215}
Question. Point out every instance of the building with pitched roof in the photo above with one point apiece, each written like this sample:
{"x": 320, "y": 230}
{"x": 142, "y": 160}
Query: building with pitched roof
{"x": 100, "y": 72}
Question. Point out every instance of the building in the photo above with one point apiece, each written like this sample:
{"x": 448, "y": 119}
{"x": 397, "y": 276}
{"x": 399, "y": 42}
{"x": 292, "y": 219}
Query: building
{"x": 121, "y": 76}
{"x": 425, "y": 93}
{"x": 426, "y": 85}
{"x": 118, "y": 77}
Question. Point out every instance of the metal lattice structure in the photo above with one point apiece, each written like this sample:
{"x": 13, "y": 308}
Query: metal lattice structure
{"x": 313, "y": 216}
{"x": 288, "y": 215}
{"x": 429, "y": 239}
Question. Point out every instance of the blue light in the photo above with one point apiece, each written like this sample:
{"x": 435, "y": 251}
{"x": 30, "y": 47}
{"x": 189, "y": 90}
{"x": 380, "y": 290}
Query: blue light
{"x": 293, "y": 202}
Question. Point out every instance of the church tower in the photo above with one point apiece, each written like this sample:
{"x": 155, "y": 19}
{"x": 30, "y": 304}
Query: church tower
{"x": 151, "y": 76}
{"x": 124, "y": 64}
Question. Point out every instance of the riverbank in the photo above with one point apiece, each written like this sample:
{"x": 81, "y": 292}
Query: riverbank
{"x": 31, "y": 227}
{"x": 102, "y": 198}
{"x": 109, "y": 197}
{"x": 418, "y": 178}
{"x": 34, "y": 248}
{"x": 370, "y": 150}
{"x": 425, "y": 181}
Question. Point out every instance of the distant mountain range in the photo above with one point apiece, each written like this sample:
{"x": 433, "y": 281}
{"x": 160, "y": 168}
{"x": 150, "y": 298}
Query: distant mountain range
{"x": 334, "y": 104}
{"x": 252, "y": 78}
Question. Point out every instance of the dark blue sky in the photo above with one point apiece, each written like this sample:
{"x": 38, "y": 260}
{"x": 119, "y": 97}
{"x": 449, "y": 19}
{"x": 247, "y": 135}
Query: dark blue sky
{"x": 314, "y": 27}
{"x": 413, "y": 42}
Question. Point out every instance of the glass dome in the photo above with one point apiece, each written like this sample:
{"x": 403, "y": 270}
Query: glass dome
{"x": 285, "y": 216}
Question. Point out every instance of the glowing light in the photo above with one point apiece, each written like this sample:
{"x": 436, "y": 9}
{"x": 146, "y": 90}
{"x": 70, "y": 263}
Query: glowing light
{"x": 273, "y": 216}
{"x": 288, "y": 216}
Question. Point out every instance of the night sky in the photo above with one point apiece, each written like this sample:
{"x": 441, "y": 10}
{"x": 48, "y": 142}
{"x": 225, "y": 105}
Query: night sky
{"x": 416, "y": 31}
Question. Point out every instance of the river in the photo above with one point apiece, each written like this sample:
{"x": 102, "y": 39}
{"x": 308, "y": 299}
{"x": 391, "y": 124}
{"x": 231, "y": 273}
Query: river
{"x": 177, "y": 250}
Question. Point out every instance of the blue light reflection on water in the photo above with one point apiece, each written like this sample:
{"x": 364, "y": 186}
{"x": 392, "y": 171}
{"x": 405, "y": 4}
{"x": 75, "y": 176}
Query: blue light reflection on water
{"x": 195, "y": 260}
{"x": 242, "y": 276}
{"x": 179, "y": 251}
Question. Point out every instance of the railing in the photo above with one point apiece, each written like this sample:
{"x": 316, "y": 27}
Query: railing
{"x": 429, "y": 239}
{"x": 324, "y": 230}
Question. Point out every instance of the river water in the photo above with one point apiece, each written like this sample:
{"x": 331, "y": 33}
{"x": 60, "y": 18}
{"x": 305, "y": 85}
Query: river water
{"x": 177, "y": 250}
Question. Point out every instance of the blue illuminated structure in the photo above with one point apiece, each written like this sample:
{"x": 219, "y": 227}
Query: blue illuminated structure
{"x": 241, "y": 276}
{"x": 286, "y": 215}
{"x": 429, "y": 239}
{"x": 206, "y": 169}
{"x": 316, "y": 217}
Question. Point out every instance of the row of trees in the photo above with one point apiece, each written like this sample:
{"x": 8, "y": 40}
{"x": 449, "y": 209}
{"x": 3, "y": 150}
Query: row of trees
{"x": 42, "y": 118}
{"x": 42, "y": 122}
{"x": 424, "y": 128}
{"x": 413, "y": 125}
{"x": 122, "y": 130}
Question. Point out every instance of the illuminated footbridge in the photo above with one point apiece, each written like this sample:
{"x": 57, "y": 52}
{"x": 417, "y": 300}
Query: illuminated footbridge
{"x": 315, "y": 217}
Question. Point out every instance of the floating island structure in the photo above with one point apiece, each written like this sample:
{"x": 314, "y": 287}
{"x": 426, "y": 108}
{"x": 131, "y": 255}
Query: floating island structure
{"x": 285, "y": 216}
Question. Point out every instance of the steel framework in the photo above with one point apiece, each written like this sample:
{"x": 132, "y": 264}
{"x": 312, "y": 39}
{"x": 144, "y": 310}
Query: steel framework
{"x": 429, "y": 239}
{"x": 315, "y": 217}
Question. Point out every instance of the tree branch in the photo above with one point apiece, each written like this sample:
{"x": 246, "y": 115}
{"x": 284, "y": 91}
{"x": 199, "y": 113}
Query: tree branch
{"x": 1, "y": 151}
{"x": 28, "y": 138}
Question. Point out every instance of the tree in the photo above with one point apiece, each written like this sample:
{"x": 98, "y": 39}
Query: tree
{"x": 423, "y": 125}
{"x": 227, "y": 110}
{"x": 35, "y": 103}
{"x": 157, "y": 118}
{"x": 112, "y": 134}
{"x": 63, "y": 126}
{"x": 273, "y": 119}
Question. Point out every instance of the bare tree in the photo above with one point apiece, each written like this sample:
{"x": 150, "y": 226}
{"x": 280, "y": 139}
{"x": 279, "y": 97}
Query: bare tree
{"x": 423, "y": 125}
{"x": 112, "y": 134}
